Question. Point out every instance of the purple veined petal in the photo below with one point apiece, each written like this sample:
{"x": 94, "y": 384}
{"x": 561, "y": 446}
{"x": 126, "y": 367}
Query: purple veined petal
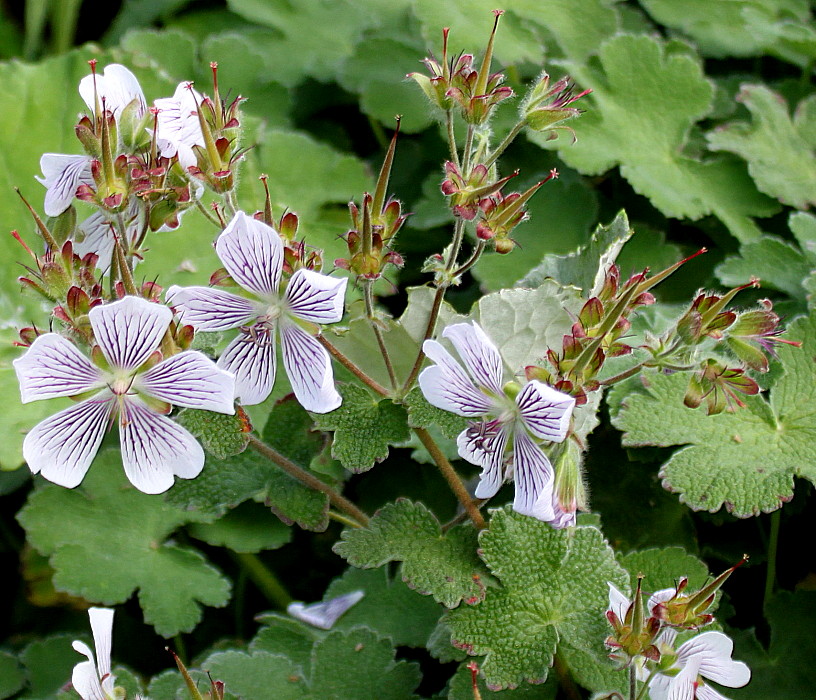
{"x": 189, "y": 379}
{"x": 562, "y": 518}
{"x": 658, "y": 597}
{"x": 129, "y": 330}
{"x": 62, "y": 175}
{"x": 102, "y": 629}
{"x": 706, "y": 692}
{"x": 250, "y": 358}
{"x": 309, "y": 369}
{"x": 252, "y": 252}
{"x": 713, "y": 650}
{"x": 477, "y": 351}
{"x": 534, "y": 479}
{"x": 177, "y": 120}
{"x": 85, "y": 677}
{"x": 62, "y": 446}
{"x": 447, "y": 386}
{"x": 155, "y": 448}
{"x": 683, "y": 685}
{"x": 324, "y": 615}
{"x": 483, "y": 444}
{"x": 618, "y": 603}
{"x": 208, "y": 309}
{"x": 315, "y": 297}
{"x": 117, "y": 86}
{"x": 660, "y": 687}
{"x": 100, "y": 234}
{"x": 53, "y": 366}
{"x": 545, "y": 411}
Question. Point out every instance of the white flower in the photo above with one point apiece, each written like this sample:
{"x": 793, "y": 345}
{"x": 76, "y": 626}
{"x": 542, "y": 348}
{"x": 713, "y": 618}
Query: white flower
{"x": 178, "y": 128}
{"x": 63, "y": 174}
{"x": 510, "y": 427}
{"x": 252, "y": 253}
{"x": 93, "y": 679}
{"x": 154, "y": 448}
{"x": 706, "y": 656}
{"x": 325, "y": 614}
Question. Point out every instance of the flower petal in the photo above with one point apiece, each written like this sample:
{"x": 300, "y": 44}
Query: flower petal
{"x": 309, "y": 369}
{"x": 706, "y": 692}
{"x": 129, "y": 330}
{"x": 660, "y": 687}
{"x": 189, "y": 379}
{"x": 62, "y": 175}
{"x": 714, "y": 650}
{"x": 102, "y": 628}
{"x": 325, "y": 614}
{"x": 484, "y": 445}
{"x": 63, "y": 446}
{"x": 117, "y": 86}
{"x": 250, "y": 358}
{"x": 154, "y": 448}
{"x": 315, "y": 297}
{"x": 477, "y": 351}
{"x": 658, "y": 597}
{"x": 84, "y": 677}
{"x": 53, "y": 366}
{"x": 447, "y": 386}
{"x": 177, "y": 120}
{"x": 684, "y": 684}
{"x": 546, "y": 411}
{"x": 534, "y": 479}
{"x": 252, "y": 252}
{"x": 208, "y": 309}
{"x": 99, "y": 237}
{"x": 618, "y": 603}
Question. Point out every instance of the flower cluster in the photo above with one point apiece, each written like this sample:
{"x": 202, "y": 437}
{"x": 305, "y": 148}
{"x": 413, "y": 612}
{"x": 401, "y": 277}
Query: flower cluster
{"x": 647, "y": 639}
{"x": 510, "y": 421}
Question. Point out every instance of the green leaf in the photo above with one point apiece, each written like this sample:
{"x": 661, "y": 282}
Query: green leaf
{"x": 288, "y": 637}
{"x": 421, "y": 414}
{"x": 622, "y": 127}
{"x": 389, "y": 607}
{"x": 585, "y": 268}
{"x": 461, "y": 688}
{"x": 552, "y": 599}
{"x": 752, "y": 24}
{"x": 11, "y": 675}
{"x": 442, "y": 565}
{"x": 662, "y": 568}
{"x": 779, "y": 150}
{"x": 221, "y": 434}
{"x": 777, "y": 263}
{"x": 247, "y": 528}
{"x": 744, "y": 460}
{"x": 360, "y": 665}
{"x": 105, "y": 541}
{"x": 783, "y": 671}
{"x": 226, "y": 483}
{"x": 48, "y": 664}
{"x": 364, "y": 427}
{"x": 258, "y": 675}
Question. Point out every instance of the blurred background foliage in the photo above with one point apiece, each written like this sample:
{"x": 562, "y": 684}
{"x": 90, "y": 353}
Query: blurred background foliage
{"x": 702, "y": 126}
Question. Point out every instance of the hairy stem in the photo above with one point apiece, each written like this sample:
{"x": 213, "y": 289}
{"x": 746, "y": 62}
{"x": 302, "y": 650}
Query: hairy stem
{"x": 454, "y": 153}
{"x": 773, "y": 543}
{"x": 565, "y": 678}
{"x": 215, "y": 222}
{"x": 263, "y": 578}
{"x": 502, "y": 147}
{"x": 632, "y": 683}
{"x": 337, "y": 500}
{"x": 472, "y": 260}
{"x": 429, "y": 329}
{"x": 351, "y": 367}
{"x": 452, "y": 478}
{"x": 368, "y": 294}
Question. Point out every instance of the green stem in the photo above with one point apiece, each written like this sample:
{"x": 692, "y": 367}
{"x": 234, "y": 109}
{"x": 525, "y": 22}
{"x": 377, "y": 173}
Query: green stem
{"x": 452, "y": 478}
{"x": 773, "y": 543}
{"x": 461, "y": 517}
{"x": 181, "y": 651}
{"x": 207, "y": 214}
{"x": 632, "y": 683}
{"x": 368, "y": 295}
{"x": 454, "y": 153}
{"x": 340, "y": 518}
{"x": 645, "y": 686}
{"x": 229, "y": 203}
{"x": 429, "y": 329}
{"x": 304, "y": 477}
{"x": 351, "y": 367}
{"x": 477, "y": 253}
{"x": 263, "y": 578}
{"x": 502, "y": 147}
{"x": 565, "y": 678}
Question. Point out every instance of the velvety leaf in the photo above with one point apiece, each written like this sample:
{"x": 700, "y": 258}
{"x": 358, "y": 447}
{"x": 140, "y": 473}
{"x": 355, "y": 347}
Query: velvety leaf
{"x": 11, "y": 675}
{"x": 421, "y": 414}
{"x": 744, "y": 460}
{"x": 780, "y": 156}
{"x": 552, "y": 597}
{"x": 585, "y": 268}
{"x": 442, "y": 565}
{"x": 663, "y": 568}
{"x": 106, "y": 541}
{"x": 784, "y": 670}
{"x": 286, "y": 636}
{"x": 622, "y": 127}
{"x": 364, "y": 427}
{"x": 461, "y": 688}
{"x": 247, "y": 528}
{"x": 48, "y": 663}
{"x": 257, "y": 675}
{"x": 389, "y": 607}
{"x": 221, "y": 434}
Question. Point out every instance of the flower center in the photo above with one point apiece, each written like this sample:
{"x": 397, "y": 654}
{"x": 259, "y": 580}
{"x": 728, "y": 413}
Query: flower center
{"x": 121, "y": 384}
